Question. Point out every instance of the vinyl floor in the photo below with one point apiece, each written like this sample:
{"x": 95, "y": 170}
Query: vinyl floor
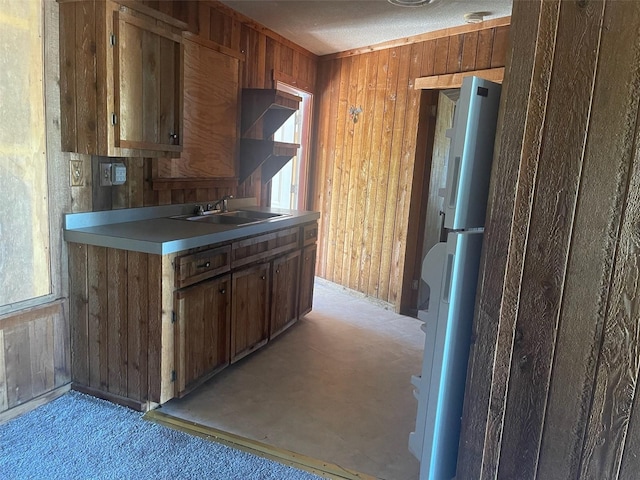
{"x": 335, "y": 387}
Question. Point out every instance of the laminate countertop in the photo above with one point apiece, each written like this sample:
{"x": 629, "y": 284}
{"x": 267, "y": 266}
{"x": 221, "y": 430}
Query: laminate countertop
{"x": 152, "y": 230}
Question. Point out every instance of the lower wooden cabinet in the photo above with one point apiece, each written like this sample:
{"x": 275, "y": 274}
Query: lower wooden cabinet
{"x": 250, "y": 310}
{"x": 146, "y": 328}
{"x": 203, "y": 323}
{"x": 307, "y": 277}
{"x": 284, "y": 295}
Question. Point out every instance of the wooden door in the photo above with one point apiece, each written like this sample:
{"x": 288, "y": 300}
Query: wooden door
{"x": 284, "y": 297}
{"x": 203, "y": 316}
{"x": 307, "y": 277}
{"x": 250, "y": 310}
{"x": 147, "y": 80}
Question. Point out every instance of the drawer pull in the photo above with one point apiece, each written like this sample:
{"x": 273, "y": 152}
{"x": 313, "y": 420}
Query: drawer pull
{"x": 205, "y": 265}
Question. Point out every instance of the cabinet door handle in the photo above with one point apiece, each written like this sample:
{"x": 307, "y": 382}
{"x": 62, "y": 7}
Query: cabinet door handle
{"x": 278, "y": 271}
{"x": 205, "y": 265}
{"x": 263, "y": 277}
{"x": 223, "y": 291}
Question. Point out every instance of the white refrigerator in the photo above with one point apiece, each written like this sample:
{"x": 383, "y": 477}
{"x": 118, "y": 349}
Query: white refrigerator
{"x": 450, "y": 269}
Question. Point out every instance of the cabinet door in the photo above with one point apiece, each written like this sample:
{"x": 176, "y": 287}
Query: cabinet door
{"x": 211, "y": 91}
{"x": 203, "y": 317}
{"x": 284, "y": 297}
{"x": 307, "y": 275}
{"x": 147, "y": 80}
{"x": 250, "y": 310}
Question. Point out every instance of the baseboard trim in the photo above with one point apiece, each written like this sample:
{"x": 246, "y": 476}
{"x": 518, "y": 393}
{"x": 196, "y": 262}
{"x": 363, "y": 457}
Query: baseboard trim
{"x": 33, "y": 404}
{"x": 286, "y": 457}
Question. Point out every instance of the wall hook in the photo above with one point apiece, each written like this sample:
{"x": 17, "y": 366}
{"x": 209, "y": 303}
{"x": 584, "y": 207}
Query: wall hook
{"x": 354, "y": 112}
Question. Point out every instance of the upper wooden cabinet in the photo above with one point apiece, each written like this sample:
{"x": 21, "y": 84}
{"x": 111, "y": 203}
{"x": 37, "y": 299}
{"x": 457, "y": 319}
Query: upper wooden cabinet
{"x": 211, "y": 112}
{"x": 121, "y": 80}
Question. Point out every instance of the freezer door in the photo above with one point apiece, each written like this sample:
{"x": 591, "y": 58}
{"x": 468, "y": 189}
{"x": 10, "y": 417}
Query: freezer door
{"x": 471, "y": 154}
{"x": 451, "y": 354}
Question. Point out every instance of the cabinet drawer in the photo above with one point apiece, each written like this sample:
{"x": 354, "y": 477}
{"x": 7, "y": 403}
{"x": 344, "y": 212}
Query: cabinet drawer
{"x": 199, "y": 266}
{"x": 265, "y": 246}
{"x": 309, "y": 234}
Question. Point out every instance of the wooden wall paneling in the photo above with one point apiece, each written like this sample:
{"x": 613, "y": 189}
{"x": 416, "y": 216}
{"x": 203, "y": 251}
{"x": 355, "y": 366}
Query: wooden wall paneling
{"x": 360, "y": 169}
{"x": 42, "y": 358}
{"x": 17, "y": 353}
{"x": 373, "y": 145}
{"x": 381, "y": 211}
{"x": 79, "y": 312}
{"x": 428, "y": 58}
{"x": 85, "y": 82}
{"x": 441, "y": 56}
{"x": 490, "y": 353}
{"x": 605, "y": 175}
{"x": 324, "y": 151}
{"x": 548, "y": 244}
{"x": 286, "y": 60}
{"x": 469, "y": 51}
{"x": 150, "y": 196}
{"x": 345, "y": 215}
{"x": 500, "y": 45}
{"x": 4, "y": 399}
{"x": 117, "y": 321}
{"x": 138, "y": 306}
{"x": 97, "y": 334}
{"x": 454, "y": 57}
{"x": 484, "y": 48}
{"x": 334, "y": 242}
{"x": 154, "y": 277}
{"x": 135, "y": 182}
{"x": 389, "y": 242}
{"x": 398, "y": 283}
{"x": 617, "y": 371}
{"x": 61, "y": 347}
{"x": 68, "y": 76}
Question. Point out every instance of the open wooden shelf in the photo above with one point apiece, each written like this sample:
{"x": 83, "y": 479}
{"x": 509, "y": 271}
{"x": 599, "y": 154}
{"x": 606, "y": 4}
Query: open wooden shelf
{"x": 269, "y": 155}
{"x": 271, "y": 106}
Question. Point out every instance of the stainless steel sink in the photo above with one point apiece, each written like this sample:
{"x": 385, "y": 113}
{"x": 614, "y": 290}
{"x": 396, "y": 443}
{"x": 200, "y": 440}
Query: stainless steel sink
{"x": 253, "y": 214}
{"x": 237, "y": 217}
{"x": 222, "y": 219}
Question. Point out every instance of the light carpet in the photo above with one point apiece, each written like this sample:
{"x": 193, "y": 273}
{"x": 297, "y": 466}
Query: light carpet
{"x": 81, "y": 437}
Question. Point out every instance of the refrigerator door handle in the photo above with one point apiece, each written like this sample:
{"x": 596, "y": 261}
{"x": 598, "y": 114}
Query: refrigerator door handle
{"x": 446, "y": 290}
{"x": 453, "y": 190}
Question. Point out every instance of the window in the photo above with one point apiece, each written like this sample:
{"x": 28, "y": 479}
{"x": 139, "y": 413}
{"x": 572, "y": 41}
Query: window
{"x": 289, "y": 185}
{"x": 24, "y": 213}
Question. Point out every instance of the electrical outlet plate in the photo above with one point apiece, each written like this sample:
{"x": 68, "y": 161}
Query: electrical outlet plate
{"x": 105, "y": 175}
{"x": 76, "y": 172}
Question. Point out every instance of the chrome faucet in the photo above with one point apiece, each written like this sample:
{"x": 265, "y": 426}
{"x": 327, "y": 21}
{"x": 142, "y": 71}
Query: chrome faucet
{"x": 222, "y": 203}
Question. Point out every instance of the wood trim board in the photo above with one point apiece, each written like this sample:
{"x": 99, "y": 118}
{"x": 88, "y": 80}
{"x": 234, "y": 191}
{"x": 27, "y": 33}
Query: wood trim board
{"x": 454, "y": 80}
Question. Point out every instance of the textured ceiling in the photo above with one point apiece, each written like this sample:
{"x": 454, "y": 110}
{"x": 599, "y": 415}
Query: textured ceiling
{"x": 330, "y": 26}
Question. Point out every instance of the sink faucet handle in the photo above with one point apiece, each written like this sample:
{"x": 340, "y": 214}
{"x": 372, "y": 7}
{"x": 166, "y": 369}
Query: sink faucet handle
{"x": 198, "y": 210}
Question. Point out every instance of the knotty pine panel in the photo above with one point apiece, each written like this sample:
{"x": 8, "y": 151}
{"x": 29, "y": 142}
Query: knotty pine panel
{"x": 363, "y": 171}
{"x": 34, "y": 353}
{"x": 557, "y": 321}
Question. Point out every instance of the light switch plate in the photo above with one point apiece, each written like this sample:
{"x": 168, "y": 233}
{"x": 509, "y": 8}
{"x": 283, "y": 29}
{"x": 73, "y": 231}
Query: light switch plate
{"x": 76, "y": 172}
